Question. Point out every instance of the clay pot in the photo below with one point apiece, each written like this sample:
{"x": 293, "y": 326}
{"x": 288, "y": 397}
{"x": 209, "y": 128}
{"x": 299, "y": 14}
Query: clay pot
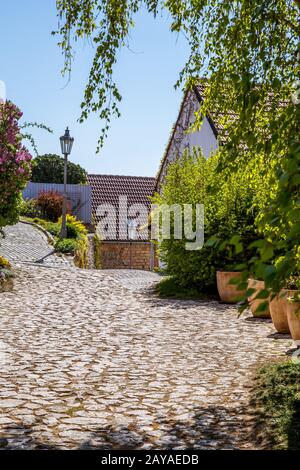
{"x": 293, "y": 316}
{"x": 285, "y": 294}
{"x": 229, "y": 293}
{"x": 254, "y": 303}
{"x": 279, "y": 314}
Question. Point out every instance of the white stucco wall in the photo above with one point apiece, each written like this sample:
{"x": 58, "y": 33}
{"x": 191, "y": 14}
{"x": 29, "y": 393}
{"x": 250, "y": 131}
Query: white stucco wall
{"x": 204, "y": 138}
{"x": 180, "y": 139}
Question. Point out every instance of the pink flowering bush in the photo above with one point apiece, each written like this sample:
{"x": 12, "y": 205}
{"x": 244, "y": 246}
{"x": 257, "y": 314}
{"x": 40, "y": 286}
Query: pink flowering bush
{"x": 15, "y": 166}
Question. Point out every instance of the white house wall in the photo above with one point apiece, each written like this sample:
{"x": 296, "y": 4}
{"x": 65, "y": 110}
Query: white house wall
{"x": 180, "y": 140}
{"x": 204, "y": 138}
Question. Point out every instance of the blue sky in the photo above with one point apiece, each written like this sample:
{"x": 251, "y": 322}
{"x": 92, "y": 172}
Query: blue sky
{"x": 30, "y": 66}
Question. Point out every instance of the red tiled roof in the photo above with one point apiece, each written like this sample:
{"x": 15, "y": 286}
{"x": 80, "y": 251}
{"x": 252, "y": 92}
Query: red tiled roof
{"x": 216, "y": 118}
{"x": 106, "y": 189}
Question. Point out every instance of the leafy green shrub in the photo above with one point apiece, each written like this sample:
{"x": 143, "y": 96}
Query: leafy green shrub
{"x": 231, "y": 204}
{"x": 76, "y": 247}
{"x": 49, "y": 168}
{"x": 29, "y": 208}
{"x": 276, "y": 397}
{"x": 50, "y": 204}
{"x": 76, "y": 242}
{"x": 66, "y": 245}
{"x": 71, "y": 230}
{"x": 75, "y": 228}
{"x": 53, "y": 228}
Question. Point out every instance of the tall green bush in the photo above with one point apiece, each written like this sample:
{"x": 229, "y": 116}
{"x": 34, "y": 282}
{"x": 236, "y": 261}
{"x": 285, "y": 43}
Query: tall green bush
{"x": 232, "y": 202}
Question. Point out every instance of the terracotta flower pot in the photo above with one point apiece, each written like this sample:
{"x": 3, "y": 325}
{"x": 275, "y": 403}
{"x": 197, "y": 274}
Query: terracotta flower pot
{"x": 293, "y": 316}
{"x": 229, "y": 293}
{"x": 279, "y": 314}
{"x": 255, "y": 303}
{"x": 286, "y": 293}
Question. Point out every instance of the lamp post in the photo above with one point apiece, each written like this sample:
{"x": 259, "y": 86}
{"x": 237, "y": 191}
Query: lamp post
{"x": 66, "y": 143}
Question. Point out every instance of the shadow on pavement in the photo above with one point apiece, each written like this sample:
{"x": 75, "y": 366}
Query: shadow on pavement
{"x": 209, "y": 428}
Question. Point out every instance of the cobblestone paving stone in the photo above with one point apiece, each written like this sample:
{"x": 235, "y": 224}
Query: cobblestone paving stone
{"x": 89, "y": 363}
{"x": 134, "y": 279}
{"x": 25, "y": 243}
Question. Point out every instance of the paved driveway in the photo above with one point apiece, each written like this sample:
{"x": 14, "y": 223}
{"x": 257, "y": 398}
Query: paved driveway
{"x": 90, "y": 359}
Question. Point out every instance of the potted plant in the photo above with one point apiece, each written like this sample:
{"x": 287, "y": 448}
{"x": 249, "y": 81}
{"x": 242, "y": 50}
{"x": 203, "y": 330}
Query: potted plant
{"x": 258, "y": 301}
{"x": 279, "y": 303}
{"x": 292, "y": 307}
{"x": 293, "y": 316}
{"x": 278, "y": 312}
{"x": 229, "y": 285}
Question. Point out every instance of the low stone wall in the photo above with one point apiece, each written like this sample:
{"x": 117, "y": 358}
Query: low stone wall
{"x": 126, "y": 255}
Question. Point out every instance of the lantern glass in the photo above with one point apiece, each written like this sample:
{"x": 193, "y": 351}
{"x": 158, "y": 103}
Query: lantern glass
{"x": 66, "y": 142}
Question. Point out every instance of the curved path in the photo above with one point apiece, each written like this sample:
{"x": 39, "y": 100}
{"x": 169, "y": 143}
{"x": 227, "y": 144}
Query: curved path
{"x": 90, "y": 359}
{"x": 25, "y": 243}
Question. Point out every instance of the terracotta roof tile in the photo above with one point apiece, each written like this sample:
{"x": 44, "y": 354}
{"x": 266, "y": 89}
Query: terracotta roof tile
{"x": 216, "y": 118}
{"x": 106, "y": 189}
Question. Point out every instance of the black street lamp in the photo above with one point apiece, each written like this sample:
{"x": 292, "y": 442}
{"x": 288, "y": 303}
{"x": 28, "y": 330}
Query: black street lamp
{"x": 66, "y": 143}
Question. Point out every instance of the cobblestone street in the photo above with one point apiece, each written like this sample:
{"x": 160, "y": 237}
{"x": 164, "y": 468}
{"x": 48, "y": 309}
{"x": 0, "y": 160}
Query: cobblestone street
{"x": 25, "y": 243}
{"x": 91, "y": 359}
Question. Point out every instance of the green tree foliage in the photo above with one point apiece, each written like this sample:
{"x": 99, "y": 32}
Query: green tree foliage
{"x": 49, "y": 168}
{"x": 249, "y": 43}
{"x": 253, "y": 66}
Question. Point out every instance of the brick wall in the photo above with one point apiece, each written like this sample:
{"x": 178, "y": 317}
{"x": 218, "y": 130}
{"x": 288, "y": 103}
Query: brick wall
{"x": 126, "y": 255}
